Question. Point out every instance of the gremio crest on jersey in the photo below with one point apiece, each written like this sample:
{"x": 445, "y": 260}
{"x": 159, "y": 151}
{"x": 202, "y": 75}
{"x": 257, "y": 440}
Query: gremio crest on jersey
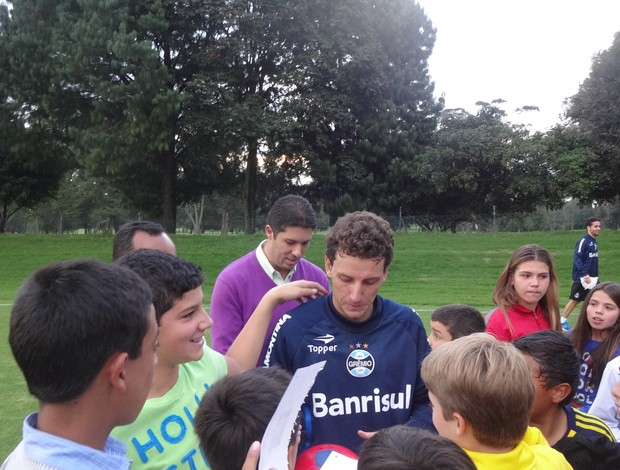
{"x": 360, "y": 363}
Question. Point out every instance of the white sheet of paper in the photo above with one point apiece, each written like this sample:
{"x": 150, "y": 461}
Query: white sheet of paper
{"x": 274, "y": 446}
{"x": 593, "y": 282}
{"x": 337, "y": 461}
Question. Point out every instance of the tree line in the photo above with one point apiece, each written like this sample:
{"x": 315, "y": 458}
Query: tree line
{"x": 147, "y": 106}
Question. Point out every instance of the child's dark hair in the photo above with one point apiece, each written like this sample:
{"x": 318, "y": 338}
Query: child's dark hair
{"x": 403, "y": 448}
{"x": 68, "y": 319}
{"x": 582, "y": 333}
{"x": 235, "y": 412}
{"x": 168, "y": 276}
{"x": 459, "y": 319}
{"x": 556, "y": 357}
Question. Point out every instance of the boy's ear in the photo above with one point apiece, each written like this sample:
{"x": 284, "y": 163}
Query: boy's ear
{"x": 560, "y": 392}
{"x": 459, "y": 423}
{"x": 115, "y": 370}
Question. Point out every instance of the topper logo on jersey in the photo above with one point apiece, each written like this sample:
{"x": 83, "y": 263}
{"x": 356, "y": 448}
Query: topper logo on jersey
{"x": 360, "y": 363}
{"x": 325, "y": 339}
{"x": 325, "y": 347}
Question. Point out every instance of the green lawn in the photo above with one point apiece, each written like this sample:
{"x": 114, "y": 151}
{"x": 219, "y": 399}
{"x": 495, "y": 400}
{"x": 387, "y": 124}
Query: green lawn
{"x": 429, "y": 270}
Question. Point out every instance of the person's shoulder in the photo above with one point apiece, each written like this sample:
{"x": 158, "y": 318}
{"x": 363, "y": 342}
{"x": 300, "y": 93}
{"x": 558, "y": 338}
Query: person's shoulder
{"x": 210, "y": 356}
{"x": 534, "y": 436}
{"x": 237, "y": 275}
{"x": 594, "y": 452}
{"x": 295, "y": 324}
{"x": 308, "y": 312}
{"x": 492, "y": 314}
{"x": 395, "y": 311}
{"x": 306, "y": 265}
{"x": 613, "y": 365}
{"x": 240, "y": 263}
{"x": 548, "y": 457}
{"x": 211, "y": 362}
{"x": 545, "y": 456}
{"x": 587, "y": 425}
{"x": 299, "y": 320}
{"x": 495, "y": 320}
{"x": 396, "y": 308}
{"x": 17, "y": 459}
{"x": 310, "y": 272}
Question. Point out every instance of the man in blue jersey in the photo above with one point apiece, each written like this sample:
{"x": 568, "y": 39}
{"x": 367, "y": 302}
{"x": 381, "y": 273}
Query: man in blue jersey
{"x": 373, "y": 347}
{"x": 585, "y": 267}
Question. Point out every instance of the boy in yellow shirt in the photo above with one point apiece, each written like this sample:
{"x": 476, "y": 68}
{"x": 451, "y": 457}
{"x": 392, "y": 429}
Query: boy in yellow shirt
{"x": 481, "y": 392}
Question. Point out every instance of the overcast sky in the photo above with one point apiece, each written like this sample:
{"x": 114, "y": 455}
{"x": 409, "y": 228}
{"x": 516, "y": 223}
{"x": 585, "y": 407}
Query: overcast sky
{"x": 527, "y": 52}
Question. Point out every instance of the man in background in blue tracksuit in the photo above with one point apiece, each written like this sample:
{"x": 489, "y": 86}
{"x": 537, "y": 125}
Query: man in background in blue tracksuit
{"x": 585, "y": 266}
{"x": 373, "y": 347}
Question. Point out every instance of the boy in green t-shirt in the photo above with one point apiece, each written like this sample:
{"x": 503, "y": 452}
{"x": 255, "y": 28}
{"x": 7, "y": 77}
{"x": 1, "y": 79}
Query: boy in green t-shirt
{"x": 162, "y": 436}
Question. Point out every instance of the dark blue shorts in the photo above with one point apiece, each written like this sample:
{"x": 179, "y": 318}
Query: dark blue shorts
{"x": 577, "y": 292}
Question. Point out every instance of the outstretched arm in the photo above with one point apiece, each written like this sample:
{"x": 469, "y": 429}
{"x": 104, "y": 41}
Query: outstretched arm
{"x": 245, "y": 350}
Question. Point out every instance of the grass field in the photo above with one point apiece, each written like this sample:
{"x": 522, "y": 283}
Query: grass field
{"x": 429, "y": 270}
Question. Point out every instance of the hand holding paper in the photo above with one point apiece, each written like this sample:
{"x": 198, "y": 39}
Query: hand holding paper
{"x": 275, "y": 441}
{"x": 589, "y": 285}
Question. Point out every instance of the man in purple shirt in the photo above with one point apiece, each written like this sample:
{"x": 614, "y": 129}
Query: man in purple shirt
{"x": 241, "y": 285}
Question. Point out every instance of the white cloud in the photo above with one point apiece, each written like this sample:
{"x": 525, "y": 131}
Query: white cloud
{"x": 526, "y": 52}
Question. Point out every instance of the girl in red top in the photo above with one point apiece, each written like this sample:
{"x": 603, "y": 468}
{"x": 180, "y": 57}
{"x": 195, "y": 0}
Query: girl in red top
{"x": 526, "y": 295}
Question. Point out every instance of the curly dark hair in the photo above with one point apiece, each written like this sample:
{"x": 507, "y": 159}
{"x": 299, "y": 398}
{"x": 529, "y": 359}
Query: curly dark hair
{"x": 363, "y": 235}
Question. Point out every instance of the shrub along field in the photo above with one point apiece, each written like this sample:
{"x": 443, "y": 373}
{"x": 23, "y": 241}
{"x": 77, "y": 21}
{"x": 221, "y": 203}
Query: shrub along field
{"x": 429, "y": 270}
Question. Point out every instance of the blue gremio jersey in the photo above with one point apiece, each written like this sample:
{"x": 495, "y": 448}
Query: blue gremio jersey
{"x": 371, "y": 379}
